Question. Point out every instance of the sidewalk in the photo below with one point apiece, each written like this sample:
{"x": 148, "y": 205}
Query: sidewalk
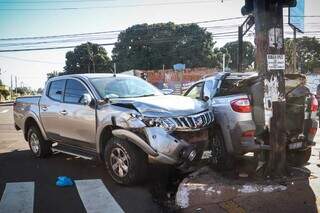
{"x": 207, "y": 191}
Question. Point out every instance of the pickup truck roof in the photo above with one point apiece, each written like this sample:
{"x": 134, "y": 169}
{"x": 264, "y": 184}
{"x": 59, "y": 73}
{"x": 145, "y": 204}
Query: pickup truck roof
{"x": 91, "y": 75}
{"x": 228, "y": 75}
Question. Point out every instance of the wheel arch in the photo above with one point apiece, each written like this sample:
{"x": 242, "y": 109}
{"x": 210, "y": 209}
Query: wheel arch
{"x": 32, "y": 121}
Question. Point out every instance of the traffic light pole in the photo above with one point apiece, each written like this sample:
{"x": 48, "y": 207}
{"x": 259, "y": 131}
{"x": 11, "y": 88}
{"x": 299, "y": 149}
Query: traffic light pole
{"x": 270, "y": 64}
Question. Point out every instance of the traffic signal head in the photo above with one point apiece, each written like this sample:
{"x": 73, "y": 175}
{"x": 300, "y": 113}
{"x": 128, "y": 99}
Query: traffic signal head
{"x": 247, "y": 8}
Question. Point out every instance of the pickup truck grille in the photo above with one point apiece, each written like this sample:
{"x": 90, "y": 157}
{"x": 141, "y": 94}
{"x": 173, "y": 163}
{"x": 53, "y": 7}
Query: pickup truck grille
{"x": 194, "y": 121}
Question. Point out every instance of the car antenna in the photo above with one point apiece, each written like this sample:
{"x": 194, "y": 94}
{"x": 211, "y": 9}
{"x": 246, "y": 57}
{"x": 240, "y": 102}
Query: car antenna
{"x": 114, "y": 69}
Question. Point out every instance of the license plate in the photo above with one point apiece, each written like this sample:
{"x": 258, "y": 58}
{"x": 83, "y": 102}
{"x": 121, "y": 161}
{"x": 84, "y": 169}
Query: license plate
{"x": 206, "y": 154}
{"x": 295, "y": 145}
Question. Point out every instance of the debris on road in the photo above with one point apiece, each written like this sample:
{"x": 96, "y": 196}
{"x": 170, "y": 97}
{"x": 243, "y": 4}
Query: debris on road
{"x": 64, "y": 181}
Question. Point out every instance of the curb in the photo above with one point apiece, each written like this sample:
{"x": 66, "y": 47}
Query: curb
{"x": 6, "y": 103}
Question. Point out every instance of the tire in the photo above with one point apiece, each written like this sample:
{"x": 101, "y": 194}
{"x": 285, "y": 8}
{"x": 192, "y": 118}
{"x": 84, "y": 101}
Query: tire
{"x": 223, "y": 160}
{"x": 131, "y": 167}
{"x": 299, "y": 158}
{"x": 39, "y": 147}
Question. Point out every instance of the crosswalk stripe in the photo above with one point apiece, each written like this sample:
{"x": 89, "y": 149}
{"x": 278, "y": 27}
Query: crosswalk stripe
{"x": 18, "y": 197}
{"x": 96, "y": 198}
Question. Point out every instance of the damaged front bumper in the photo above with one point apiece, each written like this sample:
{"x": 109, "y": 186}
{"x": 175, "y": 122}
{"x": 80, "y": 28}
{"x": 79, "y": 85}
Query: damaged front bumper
{"x": 168, "y": 147}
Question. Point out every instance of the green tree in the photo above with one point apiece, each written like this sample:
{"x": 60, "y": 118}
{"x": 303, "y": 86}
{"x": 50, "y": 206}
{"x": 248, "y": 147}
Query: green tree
{"x": 218, "y": 57}
{"x": 5, "y": 93}
{"x": 87, "y": 58}
{"x": 248, "y": 54}
{"x": 53, "y": 74}
{"x": 152, "y": 46}
{"x": 308, "y": 53}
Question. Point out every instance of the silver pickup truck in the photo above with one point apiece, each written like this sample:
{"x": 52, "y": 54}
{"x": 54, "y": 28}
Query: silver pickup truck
{"x": 238, "y": 131}
{"x": 123, "y": 120}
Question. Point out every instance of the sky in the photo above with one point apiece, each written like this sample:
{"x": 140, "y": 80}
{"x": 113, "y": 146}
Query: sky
{"x": 38, "y": 18}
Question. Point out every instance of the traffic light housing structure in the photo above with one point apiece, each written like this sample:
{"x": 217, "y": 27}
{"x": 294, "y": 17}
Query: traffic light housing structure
{"x": 248, "y": 6}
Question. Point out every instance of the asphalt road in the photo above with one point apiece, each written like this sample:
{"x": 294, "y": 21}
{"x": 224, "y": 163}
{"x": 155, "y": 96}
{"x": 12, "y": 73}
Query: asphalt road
{"x": 39, "y": 175}
{"x": 25, "y": 180}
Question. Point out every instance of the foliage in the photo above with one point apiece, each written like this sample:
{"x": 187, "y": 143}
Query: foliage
{"x": 248, "y": 54}
{"x": 53, "y": 74}
{"x": 87, "y": 57}
{"x": 23, "y": 90}
{"x": 308, "y": 53}
{"x": 5, "y": 93}
{"x": 152, "y": 46}
{"x": 218, "y": 57}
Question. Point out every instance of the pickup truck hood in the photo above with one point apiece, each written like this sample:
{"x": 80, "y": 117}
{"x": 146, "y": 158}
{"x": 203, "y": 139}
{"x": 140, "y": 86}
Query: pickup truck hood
{"x": 163, "y": 105}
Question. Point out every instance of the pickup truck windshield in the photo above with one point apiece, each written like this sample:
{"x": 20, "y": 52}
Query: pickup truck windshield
{"x": 122, "y": 87}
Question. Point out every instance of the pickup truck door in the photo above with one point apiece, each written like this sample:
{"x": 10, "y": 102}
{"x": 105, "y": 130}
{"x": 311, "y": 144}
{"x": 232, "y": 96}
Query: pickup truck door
{"x": 78, "y": 118}
{"x": 50, "y": 107}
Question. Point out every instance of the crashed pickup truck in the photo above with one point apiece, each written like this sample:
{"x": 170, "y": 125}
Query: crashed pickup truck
{"x": 239, "y": 127}
{"x": 123, "y": 120}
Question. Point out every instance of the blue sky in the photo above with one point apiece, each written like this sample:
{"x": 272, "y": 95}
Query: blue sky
{"x": 34, "y": 22}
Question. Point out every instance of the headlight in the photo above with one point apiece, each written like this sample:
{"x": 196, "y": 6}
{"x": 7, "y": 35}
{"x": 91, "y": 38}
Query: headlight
{"x": 165, "y": 123}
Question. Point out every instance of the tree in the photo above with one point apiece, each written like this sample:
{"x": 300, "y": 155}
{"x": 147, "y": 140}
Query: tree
{"x": 248, "y": 54}
{"x": 308, "y": 53}
{"x": 218, "y": 57}
{"x": 53, "y": 74}
{"x": 5, "y": 93}
{"x": 152, "y": 46}
{"x": 87, "y": 58}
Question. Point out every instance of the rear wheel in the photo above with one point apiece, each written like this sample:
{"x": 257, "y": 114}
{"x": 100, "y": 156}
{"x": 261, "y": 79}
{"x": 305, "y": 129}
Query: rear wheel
{"x": 125, "y": 162}
{"x": 38, "y": 146}
{"x": 223, "y": 160}
{"x": 299, "y": 158}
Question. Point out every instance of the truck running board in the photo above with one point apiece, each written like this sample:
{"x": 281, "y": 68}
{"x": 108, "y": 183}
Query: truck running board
{"x": 75, "y": 151}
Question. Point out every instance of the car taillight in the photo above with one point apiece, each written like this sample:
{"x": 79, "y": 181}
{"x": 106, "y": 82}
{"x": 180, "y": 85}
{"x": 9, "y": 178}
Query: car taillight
{"x": 248, "y": 134}
{"x": 314, "y": 104}
{"x": 312, "y": 131}
{"x": 241, "y": 105}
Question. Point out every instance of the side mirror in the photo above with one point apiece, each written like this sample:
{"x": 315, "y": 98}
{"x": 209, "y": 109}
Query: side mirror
{"x": 86, "y": 99}
{"x": 206, "y": 98}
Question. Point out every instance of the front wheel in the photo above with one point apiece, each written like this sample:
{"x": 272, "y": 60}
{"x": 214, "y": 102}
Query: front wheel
{"x": 299, "y": 158}
{"x": 38, "y": 146}
{"x": 125, "y": 162}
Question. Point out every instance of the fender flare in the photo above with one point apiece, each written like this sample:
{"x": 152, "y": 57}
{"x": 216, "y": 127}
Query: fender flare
{"x": 32, "y": 115}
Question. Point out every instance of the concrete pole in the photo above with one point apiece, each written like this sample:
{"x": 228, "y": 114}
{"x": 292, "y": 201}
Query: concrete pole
{"x": 294, "y": 57}
{"x": 224, "y": 62}
{"x": 270, "y": 65}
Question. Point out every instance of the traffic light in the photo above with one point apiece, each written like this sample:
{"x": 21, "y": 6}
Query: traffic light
{"x": 247, "y": 8}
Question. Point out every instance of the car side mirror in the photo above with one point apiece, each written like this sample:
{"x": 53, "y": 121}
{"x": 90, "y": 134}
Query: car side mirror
{"x": 206, "y": 98}
{"x": 86, "y": 99}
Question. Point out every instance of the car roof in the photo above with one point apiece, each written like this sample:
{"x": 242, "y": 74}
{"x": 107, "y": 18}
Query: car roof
{"x": 92, "y": 75}
{"x": 231, "y": 75}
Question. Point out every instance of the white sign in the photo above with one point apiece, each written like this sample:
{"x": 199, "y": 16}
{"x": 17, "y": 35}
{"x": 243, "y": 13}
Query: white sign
{"x": 276, "y": 62}
{"x": 275, "y": 38}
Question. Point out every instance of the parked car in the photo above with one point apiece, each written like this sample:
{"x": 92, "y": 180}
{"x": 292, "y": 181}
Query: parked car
{"x": 236, "y": 128}
{"x": 122, "y": 120}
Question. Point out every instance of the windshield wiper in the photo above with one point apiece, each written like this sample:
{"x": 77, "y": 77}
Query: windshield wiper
{"x": 143, "y": 96}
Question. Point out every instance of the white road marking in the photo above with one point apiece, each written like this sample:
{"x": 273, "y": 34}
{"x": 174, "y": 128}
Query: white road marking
{"x": 18, "y": 197}
{"x": 96, "y": 198}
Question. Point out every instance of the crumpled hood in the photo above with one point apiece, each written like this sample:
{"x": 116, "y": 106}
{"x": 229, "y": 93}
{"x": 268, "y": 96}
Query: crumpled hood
{"x": 163, "y": 105}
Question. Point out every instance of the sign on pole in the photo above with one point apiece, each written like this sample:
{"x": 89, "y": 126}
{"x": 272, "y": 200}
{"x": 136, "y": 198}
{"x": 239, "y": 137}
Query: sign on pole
{"x": 179, "y": 67}
{"x": 296, "y": 16}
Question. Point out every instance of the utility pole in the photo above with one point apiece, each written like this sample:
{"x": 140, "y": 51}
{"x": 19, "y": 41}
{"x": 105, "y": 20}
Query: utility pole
{"x": 16, "y": 88}
{"x": 294, "y": 56}
{"x": 240, "y": 48}
{"x": 224, "y": 62}
{"x": 11, "y": 87}
{"x": 270, "y": 63}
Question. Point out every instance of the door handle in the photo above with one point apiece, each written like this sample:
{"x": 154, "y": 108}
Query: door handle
{"x": 44, "y": 108}
{"x": 63, "y": 112}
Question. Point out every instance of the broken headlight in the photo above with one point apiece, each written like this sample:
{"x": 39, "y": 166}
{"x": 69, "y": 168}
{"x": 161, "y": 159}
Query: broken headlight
{"x": 165, "y": 123}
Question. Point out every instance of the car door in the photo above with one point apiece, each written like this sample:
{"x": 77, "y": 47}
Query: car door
{"x": 50, "y": 104}
{"x": 78, "y": 118}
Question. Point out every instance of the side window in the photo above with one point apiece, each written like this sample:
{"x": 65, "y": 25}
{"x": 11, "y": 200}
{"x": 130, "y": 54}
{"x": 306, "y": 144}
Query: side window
{"x": 208, "y": 88}
{"x": 55, "y": 90}
{"x": 74, "y": 92}
{"x": 196, "y": 91}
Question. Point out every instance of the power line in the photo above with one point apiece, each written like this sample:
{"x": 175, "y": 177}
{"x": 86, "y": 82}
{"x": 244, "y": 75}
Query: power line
{"x": 106, "y": 7}
{"x": 29, "y": 60}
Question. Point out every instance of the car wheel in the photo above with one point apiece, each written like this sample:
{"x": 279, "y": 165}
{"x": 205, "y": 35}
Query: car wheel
{"x": 38, "y": 146}
{"x": 125, "y": 162}
{"x": 222, "y": 159}
{"x": 299, "y": 158}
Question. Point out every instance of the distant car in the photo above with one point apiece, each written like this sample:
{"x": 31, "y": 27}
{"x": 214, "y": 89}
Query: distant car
{"x": 123, "y": 120}
{"x": 235, "y": 130}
